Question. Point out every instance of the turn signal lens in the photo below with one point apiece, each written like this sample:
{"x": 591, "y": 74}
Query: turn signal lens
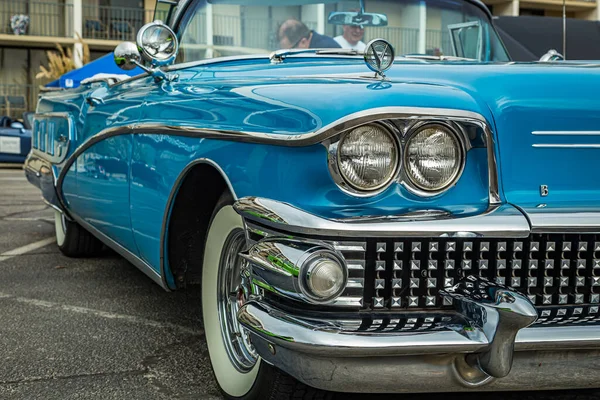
{"x": 325, "y": 277}
{"x": 433, "y": 158}
{"x": 368, "y": 157}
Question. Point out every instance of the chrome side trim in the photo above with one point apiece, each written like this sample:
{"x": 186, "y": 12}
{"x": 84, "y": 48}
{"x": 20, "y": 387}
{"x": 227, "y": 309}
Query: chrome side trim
{"x": 105, "y": 134}
{"x": 129, "y": 256}
{"x": 500, "y": 221}
{"x": 309, "y": 138}
{"x": 573, "y": 133}
{"x": 171, "y": 199}
{"x": 565, "y": 146}
{"x": 544, "y": 220}
{"x": 305, "y": 139}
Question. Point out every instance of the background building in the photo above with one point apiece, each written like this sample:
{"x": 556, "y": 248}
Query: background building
{"x": 580, "y": 9}
{"x": 101, "y": 23}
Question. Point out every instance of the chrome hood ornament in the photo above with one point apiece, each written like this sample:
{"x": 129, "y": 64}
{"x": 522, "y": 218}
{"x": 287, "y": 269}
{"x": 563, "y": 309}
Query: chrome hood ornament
{"x": 379, "y": 56}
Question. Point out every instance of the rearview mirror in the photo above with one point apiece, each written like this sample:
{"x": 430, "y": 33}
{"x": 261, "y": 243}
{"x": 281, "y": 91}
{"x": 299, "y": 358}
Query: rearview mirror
{"x": 357, "y": 18}
{"x": 127, "y": 56}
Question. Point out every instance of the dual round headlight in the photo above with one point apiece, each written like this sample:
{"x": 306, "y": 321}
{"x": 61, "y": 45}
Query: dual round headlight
{"x": 433, "y": 158}
{"x": 368, "y": 158}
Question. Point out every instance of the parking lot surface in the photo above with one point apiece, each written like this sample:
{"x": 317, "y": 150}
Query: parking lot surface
{"x": 99, "y": 328}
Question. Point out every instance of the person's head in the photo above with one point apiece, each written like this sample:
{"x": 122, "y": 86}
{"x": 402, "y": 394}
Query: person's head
{"x": 293, "y": 34}
{"x": 353, "y": 33}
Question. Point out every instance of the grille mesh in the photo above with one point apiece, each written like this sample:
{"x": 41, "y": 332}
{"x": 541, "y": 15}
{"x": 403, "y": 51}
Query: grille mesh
{"x": 551, "y": 269}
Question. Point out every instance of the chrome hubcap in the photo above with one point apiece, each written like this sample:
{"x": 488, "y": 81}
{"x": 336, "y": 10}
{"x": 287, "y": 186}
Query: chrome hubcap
{"x": 232, "y": 293}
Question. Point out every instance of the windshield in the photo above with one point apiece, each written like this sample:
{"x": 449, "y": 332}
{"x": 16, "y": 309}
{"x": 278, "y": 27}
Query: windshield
{"x": 449, "y": 28}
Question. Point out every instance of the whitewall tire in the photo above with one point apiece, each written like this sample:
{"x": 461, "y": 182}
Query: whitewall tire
{"x": 239, "y": 371}
{"x": 234, "y": 380}
{"x": 73, "y": 240}
{"x": 60, "y": 228}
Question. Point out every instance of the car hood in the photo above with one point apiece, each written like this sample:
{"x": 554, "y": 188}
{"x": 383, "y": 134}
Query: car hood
{"x": 542, "y": 114}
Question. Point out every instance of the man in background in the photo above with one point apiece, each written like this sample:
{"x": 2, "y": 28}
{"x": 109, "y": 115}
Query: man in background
{"x": 293, "y": 34}
{"x": 352, "y": 38}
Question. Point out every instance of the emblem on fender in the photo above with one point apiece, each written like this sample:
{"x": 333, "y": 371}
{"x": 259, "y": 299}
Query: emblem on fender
{"x": 379, "y": 56}
{"x": 500, "y": 312}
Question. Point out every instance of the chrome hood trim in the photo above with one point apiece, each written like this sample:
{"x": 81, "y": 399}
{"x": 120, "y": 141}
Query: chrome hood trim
{"x": 498, "y": 221}
{"x": 563, "y": 219}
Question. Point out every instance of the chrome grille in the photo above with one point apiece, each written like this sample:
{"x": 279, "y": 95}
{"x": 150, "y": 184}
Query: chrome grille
{"x": 551, "y": 269}
{"x": 354, "y": 254}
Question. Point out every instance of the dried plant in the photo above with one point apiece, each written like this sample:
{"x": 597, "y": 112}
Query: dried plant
{"x": 61, "y": 62}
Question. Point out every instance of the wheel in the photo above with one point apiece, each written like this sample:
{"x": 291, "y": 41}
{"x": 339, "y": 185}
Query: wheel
{"x": 73, "y": 240}
{"x": 238, "y": 370}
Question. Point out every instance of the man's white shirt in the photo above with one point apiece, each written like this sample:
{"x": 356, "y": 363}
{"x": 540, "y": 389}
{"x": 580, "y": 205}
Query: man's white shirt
{"x": 360, "y": 46}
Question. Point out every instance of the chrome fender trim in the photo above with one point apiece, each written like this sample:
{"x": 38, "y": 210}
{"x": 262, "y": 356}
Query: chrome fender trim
{"x": 498, "y": 221}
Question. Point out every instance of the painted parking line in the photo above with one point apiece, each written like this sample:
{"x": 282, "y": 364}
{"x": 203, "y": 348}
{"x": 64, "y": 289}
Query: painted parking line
{"x": 12, "y": 178}
{"x": 26, "y": 249}
{"x": 102, "y": 314}
{"x": 47, "y": 219}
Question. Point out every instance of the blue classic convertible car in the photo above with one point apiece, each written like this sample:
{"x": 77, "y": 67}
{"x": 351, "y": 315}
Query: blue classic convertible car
{"x": 422, "y": 215}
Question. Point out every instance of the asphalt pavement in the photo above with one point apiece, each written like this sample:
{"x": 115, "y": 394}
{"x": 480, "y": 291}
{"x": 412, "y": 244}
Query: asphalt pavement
{"x": 99, "y": 328}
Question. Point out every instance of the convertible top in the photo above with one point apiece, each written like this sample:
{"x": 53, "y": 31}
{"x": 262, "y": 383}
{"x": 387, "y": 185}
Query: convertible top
{"x": 528, "y": 38}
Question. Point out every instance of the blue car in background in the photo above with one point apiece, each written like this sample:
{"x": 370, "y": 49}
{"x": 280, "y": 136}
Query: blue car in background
{"x": 15, "y": 139}
{"x": 416, "y": 214}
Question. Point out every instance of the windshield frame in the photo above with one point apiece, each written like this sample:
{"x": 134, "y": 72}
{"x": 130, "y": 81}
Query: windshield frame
{"x": 183, "y": 5}
{"x": 178, "y": 16}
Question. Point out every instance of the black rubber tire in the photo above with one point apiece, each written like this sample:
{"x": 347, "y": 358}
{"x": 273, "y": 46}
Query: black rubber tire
{"x": 274, "y": 384}
{"x": 78, "y": 242}
{"x": 271, "y": 383}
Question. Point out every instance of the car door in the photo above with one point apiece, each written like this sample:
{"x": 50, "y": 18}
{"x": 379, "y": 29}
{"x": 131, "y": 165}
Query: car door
{"x": 103, "y": 168}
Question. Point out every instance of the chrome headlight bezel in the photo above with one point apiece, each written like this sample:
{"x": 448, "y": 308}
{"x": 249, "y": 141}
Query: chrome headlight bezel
{"x": 307, "y": 264}
{"x": 461, "y": 143}
{"x": 345, "y": 184}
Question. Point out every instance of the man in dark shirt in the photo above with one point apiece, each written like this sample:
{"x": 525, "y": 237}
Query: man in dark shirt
{"x": 293, "y": 34}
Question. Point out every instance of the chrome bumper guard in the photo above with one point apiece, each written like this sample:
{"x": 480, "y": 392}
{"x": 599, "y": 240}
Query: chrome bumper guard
{"x": 485, "y": 338}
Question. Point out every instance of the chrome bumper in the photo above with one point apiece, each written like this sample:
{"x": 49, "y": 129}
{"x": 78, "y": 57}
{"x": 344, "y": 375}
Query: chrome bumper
{"x": 485, "y": 343}
{"x": 328, "y": 355}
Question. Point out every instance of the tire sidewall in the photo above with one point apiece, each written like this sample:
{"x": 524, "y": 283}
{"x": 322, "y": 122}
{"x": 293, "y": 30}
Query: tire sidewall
{"x": 233, "y": 382}
{"x": 60, "y": 228}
